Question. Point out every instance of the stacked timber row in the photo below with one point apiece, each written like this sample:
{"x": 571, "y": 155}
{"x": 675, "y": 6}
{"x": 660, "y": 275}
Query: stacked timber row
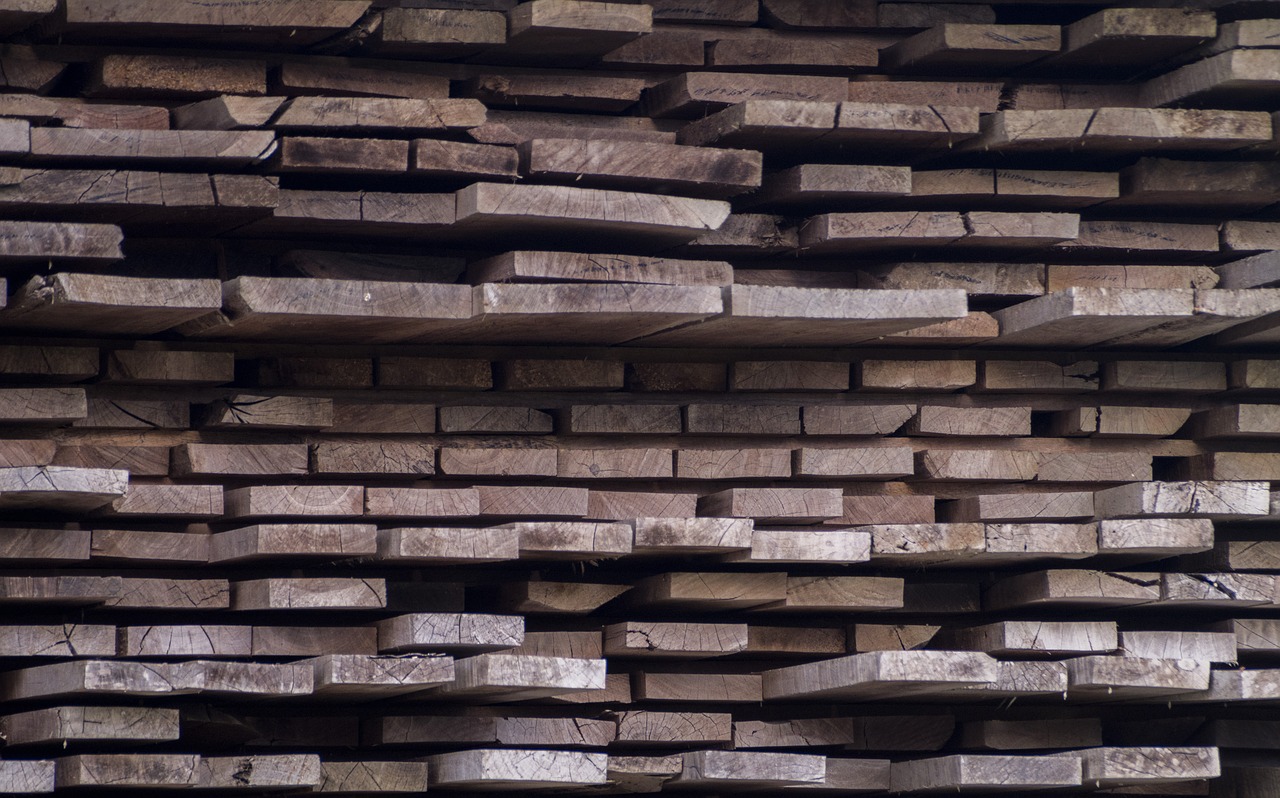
{"x": 727, "y": 396}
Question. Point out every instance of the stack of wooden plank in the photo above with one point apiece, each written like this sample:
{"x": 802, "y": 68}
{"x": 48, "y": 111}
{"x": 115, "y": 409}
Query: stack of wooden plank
{"x": 733, "y": 396}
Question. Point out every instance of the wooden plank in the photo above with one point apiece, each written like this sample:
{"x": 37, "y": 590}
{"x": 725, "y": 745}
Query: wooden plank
{"x": 690, "y": 171}
{"x": 448, "y": 545}
{"x": 422, "y": 502}
{"x": 1113, "y": 766}
{"x": 856, "y": 419}
{"x": 972, "y": 48}
{"x": 495, "y": 208}
{"x": 86, "y": 640}
{"x": 516, "y": 769}
{"x": 885, "y": 509}
{"x": 74, "y": 724}
{"x": 302, "y": 78}
{"x": 805, "y": 546}
{"x": 325, "y": 155}
{"x": 839, "y": 14}
{"x": 774, "y": 504}
{"x": 1119, "y": 130}
{"x": 751, "y": 769}
{"x": 839, "y": 594}
{"x": 527, "y": 266}
{"x": 1012, "y": 735}
{"x": 537, "y": 501}
{"x": 97, "y": 303}
{"x": 1021, "y": 507}
{"x": 312, "y": 593}
{"x": 977, "y": 464}
{"x": 1060, "y": 276}
{"x": 508, "y": 677}
{"x": 772, "y": 316}
{"x": 497, "y": 462}
{"x": 159, "y": 367}
{"x": 695, "y": 94}
{"x": 185, "y": 641}
{"x": 685, "y": 535}
{"x": 708, "y": 591}
{"x": 376, "y": 114}
{"x": 880, "y": 674}
{"x": 566, "y": 29}
{"x": 763, "y": 124}
{"x": 1236, "y": 78}
{"x": 1084, "y": 316}
{"x": 1151, "y": 375}
{"x": 926, "y": 544}
{"x": 1035, "y": 376}
{"x": 1072, "y": 588}
{"x": 1131, "y": 39}
{"x": 555, "y": 92}
{"x": 1035, "y": 638}
{"x": 437, "y": 33}
{"x": 445, "y": 374}
{"x": 360, "y": 214}
{"x": 204, "y": 459}
{"x": 254, "y": 23}
{"x": 60, "y": 488}
{"x": 694, "y": 729}
{"x": 584, "y": 312}
{"x": 210, "y": 148}
{"x": 788, "y": 51}
{"x": 674, "y": 640}
{"x": 26, "y": 241}
{"x": 558, "y": 598}
{"x": 172, "y": 501}
{"x": 1204, "y": 499}
{"x": 981, "y": 772}
{"x": 267, "y": 541}
{"x": 697, "y": 687}
{"x": 128, "y": 770}
{"x": 449, "y": 633}
{"x": 160, "y": 548}
{"x": 336, "y": 309}
{"x": 1217, "y": 590}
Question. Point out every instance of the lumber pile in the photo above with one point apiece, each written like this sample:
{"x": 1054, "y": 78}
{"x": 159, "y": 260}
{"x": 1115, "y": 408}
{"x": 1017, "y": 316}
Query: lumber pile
{"x": 722, "y": 397}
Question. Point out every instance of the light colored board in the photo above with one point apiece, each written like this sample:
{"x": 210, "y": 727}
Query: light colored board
{"x": 87, "y": 640}
{"x": 856, "y": 419}
{"x": 422, "y": 502}
{"x": 572, "y": 540}
{"x": 694, "y": 94}
{"x": 476, "y": 461}
{"x": 214, "y": 149}
{"x": 839, "y": 594}
{"x": 506, "y": 677}
{"x": 696, "y": 729}
{"x": 977, "y": 464}
{"x": 357, "y": 676}
{"x": 1018, "y": 543}
{"x": 925, "y": 544}
{"x": 556, "y": 598}
{"x": 691, "y": 535}
{"x": 880, "y": 674}
{"x": 707, "y": 591}
{"x": 794, "y": 505}
{"x": 1038, "y": 376}
{"x": 75, "y": 724}
{"x": 532, "y": 266}
{"x": 805, "y": 546}
{"x": 1072, "y": 588}
{"x": 1120, "y": 130}
{"x": 1245, "y": 75}
{"x": 170, "y": 548}
{"x": 689, "y": 171}
{"x": 674, "y": 640}
{"x": 956, "y": 47}
{"x": 96, "y": 303}
{"x": 437, "y": 33}
{"x": 1035, "y": 638}
{"x": 983, "y": 772}
{"x": 335, "y": 593}
{"x": 1205, "y": 499}
{"x": 1112, "y": 766}
{"x": 739, "y": 769}
{"x": 448, "y": 545}
{"x": 1029, "y": 507}
{"x": 610, "y": 505}
{"x": 61, "y": 488}
{"x": 496, "y": 208}
{"x": 381, "y": 114}
{"x": 1094, "y": 678}
{"x": 772, "y": 316}
{"x": 287, "y": 500}
{"x": 1164, "y": 375}
{"x": 1087, "y": 316}
{"x": 1216, "y": 647}
{"x": 268, "y": 307}
{"x": 449, "y": 632}
{"x": 285, "y": 541}
{"x": 516, "y": 769}
{"x": 608, "y": 313}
